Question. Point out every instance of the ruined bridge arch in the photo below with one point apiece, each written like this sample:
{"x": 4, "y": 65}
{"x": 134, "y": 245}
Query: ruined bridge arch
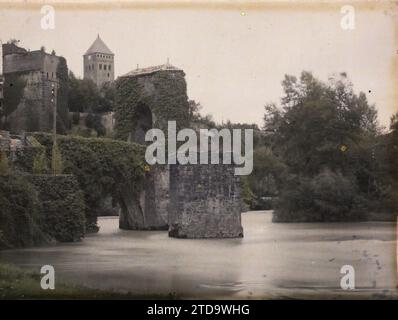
{"x": 161, "y": 89}
{"x": 149, "y": 98}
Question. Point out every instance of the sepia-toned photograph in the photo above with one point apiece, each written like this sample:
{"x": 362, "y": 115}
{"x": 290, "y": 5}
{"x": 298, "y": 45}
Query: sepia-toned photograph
{"x": 205, "y": 150}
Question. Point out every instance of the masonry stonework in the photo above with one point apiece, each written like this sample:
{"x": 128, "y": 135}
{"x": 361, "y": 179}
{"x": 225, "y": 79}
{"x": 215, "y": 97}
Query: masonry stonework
{"x": 192, "y": 201}
{"x": 148, "y": 98}
{"x": 34, "y": 81}
{"x": 204, "y": 201}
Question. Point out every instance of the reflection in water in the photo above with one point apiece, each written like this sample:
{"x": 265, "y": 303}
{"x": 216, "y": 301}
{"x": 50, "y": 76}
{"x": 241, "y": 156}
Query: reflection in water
{"x": 271, "y": 260}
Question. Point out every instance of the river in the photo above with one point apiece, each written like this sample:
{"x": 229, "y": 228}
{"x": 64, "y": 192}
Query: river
{"x": 273, "y": 260}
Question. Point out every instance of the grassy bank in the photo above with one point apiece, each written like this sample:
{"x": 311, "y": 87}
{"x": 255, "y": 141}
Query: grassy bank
{"x": 16, "y": 283}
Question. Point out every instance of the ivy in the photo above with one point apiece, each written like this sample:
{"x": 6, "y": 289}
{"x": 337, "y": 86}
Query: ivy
{"x": 19, "y": 214}
{"x": 102, "y": 167}
{"x": 62, "y": 206}
{"x": 164, "y": 93}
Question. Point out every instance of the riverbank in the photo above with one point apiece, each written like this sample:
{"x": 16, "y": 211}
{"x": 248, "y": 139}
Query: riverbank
{"x": 16, "y": 283}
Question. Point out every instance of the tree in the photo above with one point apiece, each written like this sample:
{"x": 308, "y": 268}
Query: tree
{"x": 84, "y": 96}
{"x": 40, "y": 163}
{"x": 319, "y": 123}
{"x": 325, "y": 134}
{"x": 4, "y": 165}
{"x": 57, "y": 163}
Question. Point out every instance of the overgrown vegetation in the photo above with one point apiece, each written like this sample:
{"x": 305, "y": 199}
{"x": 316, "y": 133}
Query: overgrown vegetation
{"x": 36, "y": 209}
{"x": 164, "y": 93}
{"x": 328, "y": 158}
{"x": 20, "y": 213}
{"x": 84, "y": 96}
{"x": 61, "y": 206}
{"x": 57, "y": 166}
{"x": 4, "y": 165}
{"x": 102, "y": 167}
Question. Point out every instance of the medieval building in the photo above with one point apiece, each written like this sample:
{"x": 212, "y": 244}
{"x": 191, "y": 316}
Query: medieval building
{"x": 35, "y": 85}
{"x": 98, "y": 63}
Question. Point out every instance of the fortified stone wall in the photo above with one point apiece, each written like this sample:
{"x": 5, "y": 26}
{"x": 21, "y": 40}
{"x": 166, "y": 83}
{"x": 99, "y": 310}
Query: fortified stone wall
{"x": 28, "y": 99}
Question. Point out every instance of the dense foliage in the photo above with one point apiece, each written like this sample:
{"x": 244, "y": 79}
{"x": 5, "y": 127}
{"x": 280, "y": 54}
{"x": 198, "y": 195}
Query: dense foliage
{"x": 20, "y": 213}
{"x": 102, "y": 166}
{"x": 62, "y": 206}
{"x": 164, "y": 93}
{"x": 85, "y": 96}
{"x": 38, "y": 208}
{"x": 334, "y": 155}
{"x": 62, "y": 96}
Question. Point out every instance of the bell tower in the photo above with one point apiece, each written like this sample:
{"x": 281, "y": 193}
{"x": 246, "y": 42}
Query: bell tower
{"x": 98, "y": 63}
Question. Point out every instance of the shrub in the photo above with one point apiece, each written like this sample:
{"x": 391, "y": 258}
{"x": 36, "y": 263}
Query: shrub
{"x": 40, "y": 164}
{"x": 93, "y": 121}
{"x": 4, "y": 166}
{"x": 20, "y": 213}
{"x": 102, "y": 167}
{"x": 56, "y": 163}
{"x": 328, "y": 196}
{"x": 25, "y": 158}
{"x": 62, "y": 206}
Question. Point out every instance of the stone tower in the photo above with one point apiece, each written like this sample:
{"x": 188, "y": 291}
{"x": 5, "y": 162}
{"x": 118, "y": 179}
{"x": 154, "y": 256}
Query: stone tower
{"x": 34, "y": 83}
{"x": 98, "y": 63}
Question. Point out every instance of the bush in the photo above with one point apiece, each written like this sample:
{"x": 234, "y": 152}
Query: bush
{"x": 40, "y": 164}
{"x": 56, "y": 160}
{"x": 62, "y": 206}
{"x": 102, "y": 167}
{"x": 328, "y": 196}
{"x": 4, "y": 166}
{"x": 93, "y": 121}
{"x": 20, "y": 213}
{"x": 25, "y": 158}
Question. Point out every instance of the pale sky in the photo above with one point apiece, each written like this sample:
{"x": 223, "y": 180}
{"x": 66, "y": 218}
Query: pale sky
{"x": 234, "y": 58}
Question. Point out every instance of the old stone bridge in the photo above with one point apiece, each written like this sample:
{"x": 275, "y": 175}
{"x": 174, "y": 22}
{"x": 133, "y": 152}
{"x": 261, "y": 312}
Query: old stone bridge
{"x": 191, "y": 201}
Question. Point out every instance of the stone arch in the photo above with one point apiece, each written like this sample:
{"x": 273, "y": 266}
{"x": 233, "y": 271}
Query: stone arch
{"x": 149, "y": 98}
{"x": 143, "y": 123}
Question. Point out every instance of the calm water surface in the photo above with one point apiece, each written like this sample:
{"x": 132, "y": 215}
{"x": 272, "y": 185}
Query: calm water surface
{"x": 272, "y": 260}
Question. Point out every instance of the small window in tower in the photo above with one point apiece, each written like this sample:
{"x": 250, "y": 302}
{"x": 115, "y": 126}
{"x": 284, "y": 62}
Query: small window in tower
{"x": 100, "y": 66}
{"x": 47, "y": 75}
{"x": 104, "y": 66}
{"x": 108, "y": 74}
{"x": 109, "y": 67}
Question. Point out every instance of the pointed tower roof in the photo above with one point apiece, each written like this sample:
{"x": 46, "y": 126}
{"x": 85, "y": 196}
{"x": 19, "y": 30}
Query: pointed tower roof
{"x": 98, "y": 46}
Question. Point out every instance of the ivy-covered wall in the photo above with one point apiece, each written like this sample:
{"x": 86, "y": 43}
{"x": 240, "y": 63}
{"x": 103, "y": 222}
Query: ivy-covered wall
{"x": 20, "y": 218}
{"x": 163, "y": 92}
{"x": 37, "y": 209}
{"x": 102, "y": 167}
{"x": 62, "y": 206}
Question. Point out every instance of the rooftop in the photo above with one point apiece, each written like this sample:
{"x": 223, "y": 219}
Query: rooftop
{"x": 149, "y": 70}
{"x": 98, "y": 46}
